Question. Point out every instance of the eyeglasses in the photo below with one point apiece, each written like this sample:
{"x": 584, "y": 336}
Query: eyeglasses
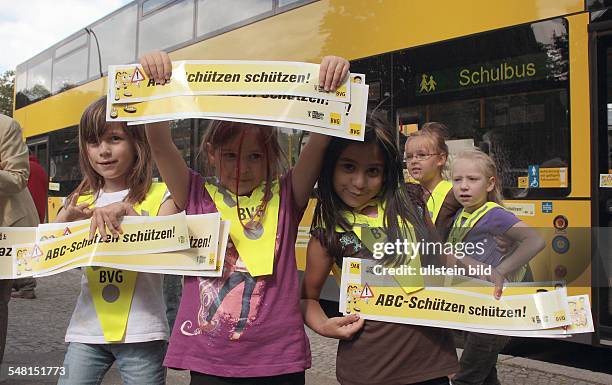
{"x": 409, "y": 157}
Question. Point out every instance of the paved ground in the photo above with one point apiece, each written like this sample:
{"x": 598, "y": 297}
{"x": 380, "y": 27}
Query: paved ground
{"x": 37, "y": 327}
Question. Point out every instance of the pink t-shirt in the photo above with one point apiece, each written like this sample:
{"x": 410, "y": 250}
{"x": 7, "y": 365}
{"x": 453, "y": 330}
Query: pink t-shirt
{"x": 236, "y": 325}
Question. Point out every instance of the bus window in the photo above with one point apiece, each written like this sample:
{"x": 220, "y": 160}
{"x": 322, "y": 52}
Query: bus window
{"x": 64, "y": 160}
{"x": 168, "y": 27}
{"x": 214, "y": 15}
{"x": 39, "y": 81}
{"x": 69, "y": 70}
{"x": 117, "y": 39}
{"x": 507, "y": 91}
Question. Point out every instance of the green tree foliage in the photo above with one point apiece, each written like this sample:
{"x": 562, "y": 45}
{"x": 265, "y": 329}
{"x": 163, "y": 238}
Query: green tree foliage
{"x": 7, "y": 84}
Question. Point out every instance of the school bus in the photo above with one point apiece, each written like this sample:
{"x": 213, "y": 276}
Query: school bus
{"x": 526, "y": 80}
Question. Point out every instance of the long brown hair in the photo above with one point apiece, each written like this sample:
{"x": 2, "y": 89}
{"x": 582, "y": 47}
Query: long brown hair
{"x": 91, "y": 128}
{"x": 399, "y": 207}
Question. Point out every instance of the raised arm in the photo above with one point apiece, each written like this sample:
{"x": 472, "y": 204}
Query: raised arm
{"x": 318, "y": 266}
{"x": 14, "y": 163}
{"x": 170, "y": 162}
{"x": 332, "y": 72}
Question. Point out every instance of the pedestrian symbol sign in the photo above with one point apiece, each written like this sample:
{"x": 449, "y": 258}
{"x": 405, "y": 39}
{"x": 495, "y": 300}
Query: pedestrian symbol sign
{"x": 137, "y": 76}
{"x": 534, "y": 176}
{"x": 366, "y": 292}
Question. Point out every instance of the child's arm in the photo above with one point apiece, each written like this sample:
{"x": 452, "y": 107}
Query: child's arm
{"x": 170, "y": 162}
{"x": 529, "y": 242}
{"x": 332, "y": 71}
{"x": 111, "y": 215}
{"x": 318, "y": 266}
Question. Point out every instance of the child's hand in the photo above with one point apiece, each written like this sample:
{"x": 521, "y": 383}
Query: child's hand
{"x": 504, "y": 244}
{"x": 157, "y": 65}
{"x": 343, "y": 328}
{"x": 73, "y": 212}
{"x": 498, "y": 280}
{"x": 332, "y": 72}
{"x": 109, "y": 216}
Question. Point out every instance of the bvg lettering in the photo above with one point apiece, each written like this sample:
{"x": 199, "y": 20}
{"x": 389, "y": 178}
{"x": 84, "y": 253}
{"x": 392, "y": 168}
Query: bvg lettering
{"x": 245, "y": 213}
{"x": 110, "y": 276}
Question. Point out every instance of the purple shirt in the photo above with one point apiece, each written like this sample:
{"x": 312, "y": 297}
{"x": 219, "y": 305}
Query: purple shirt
{"x": 495, "y": 222}
{"x": 265, "y": 311}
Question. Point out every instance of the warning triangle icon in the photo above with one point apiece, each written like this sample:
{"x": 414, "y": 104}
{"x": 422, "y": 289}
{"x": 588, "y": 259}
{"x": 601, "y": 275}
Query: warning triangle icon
{"x": 366, "y": 292}
{"x": 137, "y": 76}
{"x": 67, "y": 231}
{"x": 36, "y": 252}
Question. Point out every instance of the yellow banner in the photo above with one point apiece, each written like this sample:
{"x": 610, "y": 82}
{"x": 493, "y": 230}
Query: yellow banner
{"x": 129, "y": 83}
{"x": 155, "y": 262}
{"x": 141, "y": 235}
{"x": 201, "y": 254}
{"x": 12, "y": 259}
{"x": 468, "y": 305}
{"x": 318, "y": 115}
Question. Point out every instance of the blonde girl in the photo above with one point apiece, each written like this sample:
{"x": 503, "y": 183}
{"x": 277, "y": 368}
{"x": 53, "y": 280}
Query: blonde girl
{"x": 244, "y": 327}
{"x": 475, "y": 186}
{"x": 426, "y": 155}
{"x": 116, "y": 165}
{"x": 353, "y": 190}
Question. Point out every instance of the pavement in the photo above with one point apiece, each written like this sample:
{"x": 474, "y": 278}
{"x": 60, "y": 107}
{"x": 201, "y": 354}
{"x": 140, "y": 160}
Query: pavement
{"x": 37, "y": 327}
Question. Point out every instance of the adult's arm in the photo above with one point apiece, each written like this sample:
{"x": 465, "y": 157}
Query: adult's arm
{"x": 14, "y": 162}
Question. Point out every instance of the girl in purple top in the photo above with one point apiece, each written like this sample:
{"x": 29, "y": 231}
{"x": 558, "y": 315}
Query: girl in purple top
{"x": 244, "y": 327}
{"x": 475, "y": 185}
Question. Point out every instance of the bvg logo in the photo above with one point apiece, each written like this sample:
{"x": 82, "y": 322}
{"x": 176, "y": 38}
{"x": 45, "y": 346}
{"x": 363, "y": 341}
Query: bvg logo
{"x": 334, "y": 119}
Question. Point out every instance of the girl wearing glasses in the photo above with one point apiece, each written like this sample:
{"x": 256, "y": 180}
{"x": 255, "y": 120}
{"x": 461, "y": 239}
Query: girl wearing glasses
{"x": 426, "y": 156}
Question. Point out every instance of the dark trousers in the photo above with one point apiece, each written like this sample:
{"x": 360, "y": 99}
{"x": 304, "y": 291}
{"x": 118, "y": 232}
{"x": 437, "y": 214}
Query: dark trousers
{"x": 283, "y": 379}
{"x": 173, "y": 289}
{"x": 25, "y": 284}
{"x": 479, "y": 359}
{"x": 5, "y": 296}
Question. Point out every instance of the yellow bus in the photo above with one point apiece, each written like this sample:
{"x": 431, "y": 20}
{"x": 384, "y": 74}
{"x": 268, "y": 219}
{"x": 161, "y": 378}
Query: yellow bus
{"x": 526, "y": 80}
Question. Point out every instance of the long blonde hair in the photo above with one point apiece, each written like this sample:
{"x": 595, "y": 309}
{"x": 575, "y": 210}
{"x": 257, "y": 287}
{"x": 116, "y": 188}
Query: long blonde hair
{"x": 91, "y": 128}
{"x": 489, "y": 169}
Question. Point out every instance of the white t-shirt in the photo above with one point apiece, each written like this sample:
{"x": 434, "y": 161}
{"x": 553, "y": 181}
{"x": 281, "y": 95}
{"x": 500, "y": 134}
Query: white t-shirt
{"x": 147, "y": 319}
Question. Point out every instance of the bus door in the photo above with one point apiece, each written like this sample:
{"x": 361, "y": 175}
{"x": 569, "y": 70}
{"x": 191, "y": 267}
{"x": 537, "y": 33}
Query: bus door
{"x": 601, "y": 89}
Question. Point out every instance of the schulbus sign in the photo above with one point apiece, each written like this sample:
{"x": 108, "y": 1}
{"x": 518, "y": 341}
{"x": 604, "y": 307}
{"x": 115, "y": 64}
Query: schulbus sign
{"x": 510, "y": 70}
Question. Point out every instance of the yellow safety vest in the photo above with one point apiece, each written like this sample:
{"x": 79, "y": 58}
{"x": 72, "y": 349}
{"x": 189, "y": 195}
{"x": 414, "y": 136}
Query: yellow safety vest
{"x": 464, "y": 222}
{"x": 256, "y": 240}
{"x": 437, "y": 197}
{"x": 369, "y": 230}
{"x": 113, "y": 300}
